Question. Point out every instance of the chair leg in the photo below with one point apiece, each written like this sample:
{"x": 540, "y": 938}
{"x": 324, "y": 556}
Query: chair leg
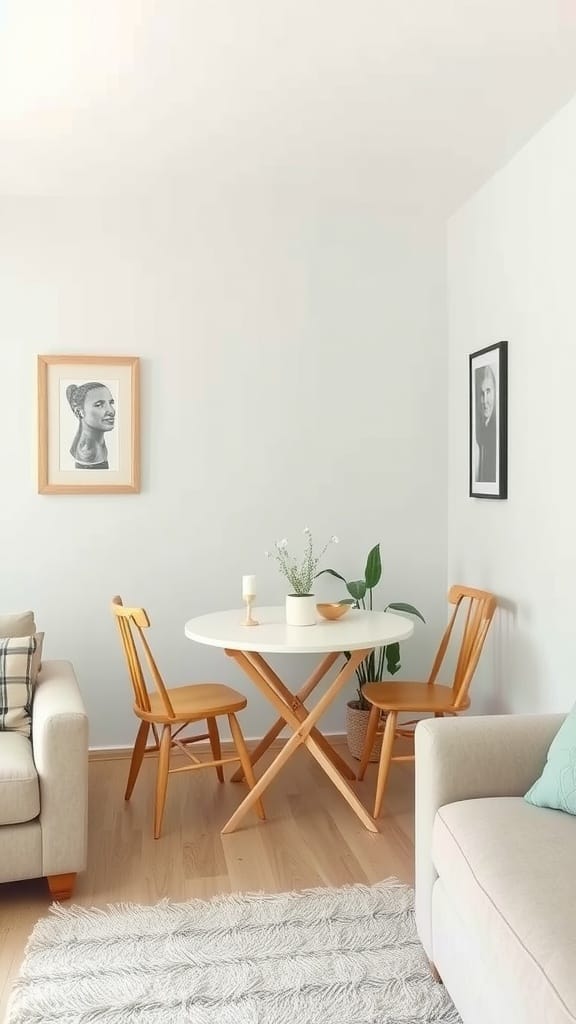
{"x": 245, "y": 761}
{"x": 215, "y": 745}
{"x": 369, "y": 741}
{"x": 162, "y": 779}
{"x": 385, "y": 758}
{"x": 137, "y": 757}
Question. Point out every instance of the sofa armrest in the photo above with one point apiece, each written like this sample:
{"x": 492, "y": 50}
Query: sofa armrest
{"x": 60, "y": 743}
{"x": 465, "y": 758}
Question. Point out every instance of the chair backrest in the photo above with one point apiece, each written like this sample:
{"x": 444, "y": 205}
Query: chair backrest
{"x": 131, "y": 623}
{"x": 478, "y": 607}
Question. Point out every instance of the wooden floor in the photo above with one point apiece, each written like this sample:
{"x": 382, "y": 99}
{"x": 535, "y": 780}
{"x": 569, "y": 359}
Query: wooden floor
{"x": 311, "y": 838}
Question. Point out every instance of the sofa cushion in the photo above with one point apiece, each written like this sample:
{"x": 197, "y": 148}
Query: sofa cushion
{"x": 23, "y": 624}
{"x": 509, "y": 867}
{"x": 19, "y": 789}
{"x": 18, "y": 624}
{"x": 16, "y": 682}
{"x": 556, "y": 787}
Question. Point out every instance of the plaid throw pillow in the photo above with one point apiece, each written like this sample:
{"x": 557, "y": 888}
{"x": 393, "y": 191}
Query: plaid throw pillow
{"x": 16, "y": 681}
{"x": 23, "y": 624}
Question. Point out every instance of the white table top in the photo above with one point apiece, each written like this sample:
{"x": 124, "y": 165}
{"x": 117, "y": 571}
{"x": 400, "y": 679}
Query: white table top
{"x": 354, "y": 632}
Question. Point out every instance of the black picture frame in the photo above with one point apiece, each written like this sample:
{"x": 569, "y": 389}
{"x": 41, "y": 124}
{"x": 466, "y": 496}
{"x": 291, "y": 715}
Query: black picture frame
{"x": 488, "y": 422}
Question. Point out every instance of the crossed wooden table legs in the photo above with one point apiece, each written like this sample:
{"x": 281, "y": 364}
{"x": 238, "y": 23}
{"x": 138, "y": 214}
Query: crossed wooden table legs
{"x": 303, "y": 722}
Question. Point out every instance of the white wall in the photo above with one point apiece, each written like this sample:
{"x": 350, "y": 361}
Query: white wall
{"x": 511, "y": 275}
{"x": 293, "y": 373}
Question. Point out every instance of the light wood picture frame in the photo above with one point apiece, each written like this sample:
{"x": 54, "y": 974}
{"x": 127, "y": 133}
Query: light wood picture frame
{"x": 88, "y": 424}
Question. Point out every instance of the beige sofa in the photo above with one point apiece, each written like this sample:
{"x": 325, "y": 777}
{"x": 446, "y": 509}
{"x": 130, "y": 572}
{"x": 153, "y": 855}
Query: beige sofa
{"x": 495, "y": 876}
{"x": 44, "y": 786}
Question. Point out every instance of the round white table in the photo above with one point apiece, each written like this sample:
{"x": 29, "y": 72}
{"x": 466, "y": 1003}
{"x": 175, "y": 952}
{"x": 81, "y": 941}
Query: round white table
{"x": 358, "y": 632}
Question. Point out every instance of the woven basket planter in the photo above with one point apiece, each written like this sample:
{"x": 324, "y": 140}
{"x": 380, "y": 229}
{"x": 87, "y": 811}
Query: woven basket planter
{"x": 356, "y": 726}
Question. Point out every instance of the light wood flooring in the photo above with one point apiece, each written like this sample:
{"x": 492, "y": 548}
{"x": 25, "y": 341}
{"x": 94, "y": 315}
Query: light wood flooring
{"x": 311, "y": 838}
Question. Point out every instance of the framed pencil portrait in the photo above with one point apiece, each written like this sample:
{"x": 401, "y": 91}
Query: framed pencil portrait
{"x": 488, "y": 433}
{"x": 88, "y": 424}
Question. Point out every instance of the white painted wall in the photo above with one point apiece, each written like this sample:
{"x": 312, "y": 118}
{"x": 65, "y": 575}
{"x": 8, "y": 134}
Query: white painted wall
{"x": 511, "y": 275}
{"x": 293, "y": 373}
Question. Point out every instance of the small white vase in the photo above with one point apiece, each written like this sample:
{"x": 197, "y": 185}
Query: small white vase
{"x": 300, "y": 610}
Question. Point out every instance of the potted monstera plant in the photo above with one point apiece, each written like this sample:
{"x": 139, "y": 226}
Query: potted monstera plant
{"x": 376, "y": 665}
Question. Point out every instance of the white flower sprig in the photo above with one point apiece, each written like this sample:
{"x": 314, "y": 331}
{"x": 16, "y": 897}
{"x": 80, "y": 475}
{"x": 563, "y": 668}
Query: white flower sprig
{"x": 300, "y": 576}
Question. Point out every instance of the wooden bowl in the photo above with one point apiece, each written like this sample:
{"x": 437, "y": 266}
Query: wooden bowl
{"x": 333, "y": 611}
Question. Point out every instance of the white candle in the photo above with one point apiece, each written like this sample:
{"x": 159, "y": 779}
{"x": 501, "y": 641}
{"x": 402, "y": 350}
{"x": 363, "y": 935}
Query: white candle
{"x": 248, "y": 586}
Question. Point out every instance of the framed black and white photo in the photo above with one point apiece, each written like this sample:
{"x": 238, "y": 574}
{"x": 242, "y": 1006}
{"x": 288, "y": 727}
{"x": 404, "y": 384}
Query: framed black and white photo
{"x": 488, "y": 386}
{"x": 88, "y": 424}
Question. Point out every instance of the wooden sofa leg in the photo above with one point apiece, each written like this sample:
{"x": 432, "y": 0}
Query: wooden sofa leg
{"x": 435, "y": 973}
{"x": 61, "y": 886}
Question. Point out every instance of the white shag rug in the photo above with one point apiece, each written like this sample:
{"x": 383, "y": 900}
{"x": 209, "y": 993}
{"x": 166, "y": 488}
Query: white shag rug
{"x": 321, "y": 956}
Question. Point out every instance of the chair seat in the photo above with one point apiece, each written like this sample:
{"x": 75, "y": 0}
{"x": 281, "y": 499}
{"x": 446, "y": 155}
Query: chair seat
{"x": 412, "y": 697}
{"x": 200, "y": 700}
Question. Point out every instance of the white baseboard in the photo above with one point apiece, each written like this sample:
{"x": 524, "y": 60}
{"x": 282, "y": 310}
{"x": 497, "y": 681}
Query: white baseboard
{"x": 116, "y": 753}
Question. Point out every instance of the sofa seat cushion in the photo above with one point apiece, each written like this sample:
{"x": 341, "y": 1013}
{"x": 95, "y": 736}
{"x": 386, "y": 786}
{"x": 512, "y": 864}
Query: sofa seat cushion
{"x": 19, "y": 788}
{"x": 509, "y": 868}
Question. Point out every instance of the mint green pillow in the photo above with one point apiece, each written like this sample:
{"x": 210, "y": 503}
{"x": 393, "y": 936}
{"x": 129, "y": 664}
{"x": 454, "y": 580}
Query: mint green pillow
{"x": 556, "y": 787}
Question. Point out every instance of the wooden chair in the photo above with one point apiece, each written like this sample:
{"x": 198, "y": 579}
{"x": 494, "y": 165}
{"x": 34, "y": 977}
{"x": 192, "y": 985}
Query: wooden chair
{"x": 393, "y": 699}
{"x": 173, "y": 710}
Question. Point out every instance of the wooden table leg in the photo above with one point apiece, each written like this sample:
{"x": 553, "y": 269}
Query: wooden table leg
{"x": 298, "y": 709}
{"x": 273, "y": 688}
{"x": 342, "y": 766}
{"x": 261, "y": 748}
{"x": 297, "y": 703}
{"x": 270, "y": 774}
